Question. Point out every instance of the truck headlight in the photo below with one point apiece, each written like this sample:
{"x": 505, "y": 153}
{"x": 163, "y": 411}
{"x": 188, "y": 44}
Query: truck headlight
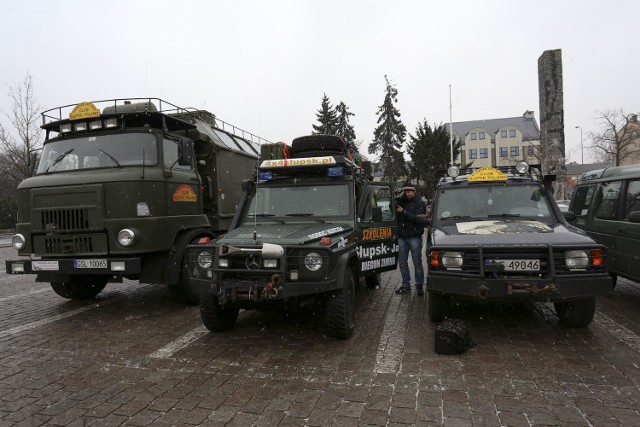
{"x": 576, "y": 260}
{"x": 313, "y": 261}
{"x": 205, "y": 260}
{"x": 126, "y": 237}
{"x": 18, "y": 241}
{"x": 452, "y": 260}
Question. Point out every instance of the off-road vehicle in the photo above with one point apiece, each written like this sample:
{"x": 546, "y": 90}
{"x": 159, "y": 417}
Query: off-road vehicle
{"x": 497, "y": 235}
{"x": 311, "y": 224}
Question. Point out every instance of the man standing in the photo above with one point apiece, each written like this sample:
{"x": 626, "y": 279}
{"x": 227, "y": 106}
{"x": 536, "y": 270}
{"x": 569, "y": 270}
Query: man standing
{"x": 410, "y": 231}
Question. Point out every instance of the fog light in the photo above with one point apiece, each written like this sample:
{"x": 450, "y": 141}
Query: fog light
{"x": 17, "y": 268}
{"x": 96, "y": 124}
{"x": 223, "y": 262}
{"x": 270, "y": 263}
{"x": 522, "y": 167}
{"x": 111, "y": 123}
{"x": 293, "y": 275}
{"x": 117, "y": 266}
{"x": 65, "y": 128}
{"x": 126, "y": 237}
{"x": 18, "y": 241}
{"x": 80, "y": 126}
{"x": 205, "y": 260}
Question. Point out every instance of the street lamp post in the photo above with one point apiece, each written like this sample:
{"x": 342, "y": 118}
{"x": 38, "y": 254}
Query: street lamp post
{"x": 581, "y": 147}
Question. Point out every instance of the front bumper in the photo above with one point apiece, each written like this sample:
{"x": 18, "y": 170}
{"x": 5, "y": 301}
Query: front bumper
{"x": 54, "y": 268}
{"x": 560, "y": 289}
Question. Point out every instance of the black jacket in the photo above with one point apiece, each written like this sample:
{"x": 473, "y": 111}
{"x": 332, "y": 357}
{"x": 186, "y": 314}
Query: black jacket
{"x": 407, "y": 224}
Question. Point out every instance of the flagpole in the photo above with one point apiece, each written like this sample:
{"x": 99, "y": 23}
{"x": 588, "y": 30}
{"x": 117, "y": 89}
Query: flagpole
{"x": 450, "y": 124}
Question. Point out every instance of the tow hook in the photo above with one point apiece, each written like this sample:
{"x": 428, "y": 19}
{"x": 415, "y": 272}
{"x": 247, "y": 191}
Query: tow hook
{"x": 270, "y": 289}
{"x": 483, "y": 291}
{"x": 526, "y": 288}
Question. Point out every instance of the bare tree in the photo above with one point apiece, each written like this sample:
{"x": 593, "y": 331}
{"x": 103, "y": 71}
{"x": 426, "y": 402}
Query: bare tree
{"x": 18, "y": 155}
{"x": 618, "y": 136}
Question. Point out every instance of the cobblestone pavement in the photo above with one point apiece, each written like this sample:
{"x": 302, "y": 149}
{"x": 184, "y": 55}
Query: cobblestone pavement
{"x": 134, "y": 357}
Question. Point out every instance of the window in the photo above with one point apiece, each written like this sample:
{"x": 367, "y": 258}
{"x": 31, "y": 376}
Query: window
{"x": 632, "y": 202}
{"x": 504, "y": 151}
{"x": 515, "y": 151}
{"x": 582, "y": 199}
{"x": 481, "y": 134}
{"x": 473, "y": 154}
{"x": 378, "y": 197}
{"x": 171, "y": 152}
{"x": 609, "y": 193}
{"x": 530, "y": 150}
{"x": 503, "y": 134}
{"x": 512, "y": 133}
{"x": 484, "y": 153}
{"x": 474, "y": 136}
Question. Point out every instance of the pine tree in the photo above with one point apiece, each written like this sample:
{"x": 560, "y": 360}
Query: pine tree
{"x": 343, "y": 128}
{"x": 431, "y": 154}
{"x": 327, "y": 119}
{"x": 388, "y": 137}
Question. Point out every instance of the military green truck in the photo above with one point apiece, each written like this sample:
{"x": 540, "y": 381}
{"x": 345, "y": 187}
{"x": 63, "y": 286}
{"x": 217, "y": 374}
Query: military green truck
{"x": 122, "y": 188}
{"x": 312, "y": 223}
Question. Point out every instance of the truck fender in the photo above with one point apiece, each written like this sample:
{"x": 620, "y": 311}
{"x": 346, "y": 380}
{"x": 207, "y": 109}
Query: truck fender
{"x": 174, "y": 266}
{"x": 346, "y": 260}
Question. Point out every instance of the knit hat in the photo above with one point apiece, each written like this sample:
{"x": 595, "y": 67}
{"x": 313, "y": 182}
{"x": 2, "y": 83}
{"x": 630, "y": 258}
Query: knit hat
{"x": 408, "y": 186}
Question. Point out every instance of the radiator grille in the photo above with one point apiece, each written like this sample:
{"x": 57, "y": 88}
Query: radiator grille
{"x": 72, "y": 219}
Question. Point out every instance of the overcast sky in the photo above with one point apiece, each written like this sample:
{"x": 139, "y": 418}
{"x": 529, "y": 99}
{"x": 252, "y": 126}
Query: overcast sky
{"x": 264, "y": 65}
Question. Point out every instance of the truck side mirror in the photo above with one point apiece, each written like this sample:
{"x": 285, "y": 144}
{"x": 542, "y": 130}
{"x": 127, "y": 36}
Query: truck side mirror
{"x": 376, "y": 214}
{"x": 33, "y": 161}
{"x": 246, "y": 184}
{"x": 634, "y": 216}
{"x": 185, "y": 152}
{"x": 569, "y": 216}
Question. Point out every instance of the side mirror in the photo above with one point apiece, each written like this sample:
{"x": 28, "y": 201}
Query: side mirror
{"x": 569, "y": 216}
{"x": 33, "y": 161}
{"x": 422, "y": 220}
{"x": 246, "y": 184}
{"x": 376, "y": 214}
{"x": 634, "y": 216}
{"x": 185, "y": 152}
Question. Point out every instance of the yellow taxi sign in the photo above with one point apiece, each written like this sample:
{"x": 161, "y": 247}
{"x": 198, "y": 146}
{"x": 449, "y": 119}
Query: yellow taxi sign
{"x": 84, "y": 110}
{"x": 487, "y": 174}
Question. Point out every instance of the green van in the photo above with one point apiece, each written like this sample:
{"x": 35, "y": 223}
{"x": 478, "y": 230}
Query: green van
{"x": 606, "y": 204}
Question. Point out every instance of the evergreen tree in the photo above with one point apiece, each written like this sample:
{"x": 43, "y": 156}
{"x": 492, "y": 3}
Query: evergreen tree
{"x": 343, "y": 128}
{"x": 388, "y": 137}
{"x": 431, "y": 155}
{"x": 326, "y": 115}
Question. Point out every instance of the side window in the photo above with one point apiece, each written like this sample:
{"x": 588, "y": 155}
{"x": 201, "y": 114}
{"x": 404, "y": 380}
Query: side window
{"x": 170, "y": 151}
{"x": 610, "y": 197}
{"x": 632, "y": 200}
{"x": 582, "y": 199}
{"x": 378, "y": 196}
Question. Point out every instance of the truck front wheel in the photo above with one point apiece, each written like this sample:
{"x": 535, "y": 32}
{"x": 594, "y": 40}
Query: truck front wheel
{"x": 214, "y": 317}
{"x": 341, "y": 308}
{"x": 577, "y": 314}
{"x": 82, "y": 287}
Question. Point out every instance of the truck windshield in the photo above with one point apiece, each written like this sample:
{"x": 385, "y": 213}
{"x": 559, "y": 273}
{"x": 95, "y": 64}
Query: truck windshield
{"x": 499, "y": 201}
{"x": 99, "y": 151}
{"x": 301, "y": 201}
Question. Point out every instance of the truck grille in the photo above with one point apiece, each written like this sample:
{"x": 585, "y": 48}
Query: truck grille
{"x": 89, "y": 244}
{"x": 72, "y": 219}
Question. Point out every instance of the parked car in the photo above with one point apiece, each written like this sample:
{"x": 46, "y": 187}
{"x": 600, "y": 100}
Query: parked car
{"x": 606, "y": 204}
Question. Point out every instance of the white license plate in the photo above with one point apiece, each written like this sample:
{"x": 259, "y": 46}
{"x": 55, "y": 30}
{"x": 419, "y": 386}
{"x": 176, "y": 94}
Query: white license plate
{"x": 44, "y": 265}
{"x": 519, "y": 264}
{"x": 89, "y": 263}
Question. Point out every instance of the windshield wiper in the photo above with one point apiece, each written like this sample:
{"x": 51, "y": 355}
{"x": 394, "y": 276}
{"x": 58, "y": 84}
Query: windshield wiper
{"x": 444, "y": 218}
{"x": 58, "y": 160}
{"x": 262, "y": 215}
{"x": 111, "y": 157}
{"x": 504, "y": 215}
{"x": 306, "y": 214}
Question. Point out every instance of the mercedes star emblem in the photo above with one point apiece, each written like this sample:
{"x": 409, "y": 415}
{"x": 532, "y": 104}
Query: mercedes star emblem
{"x": 254, "y": 262}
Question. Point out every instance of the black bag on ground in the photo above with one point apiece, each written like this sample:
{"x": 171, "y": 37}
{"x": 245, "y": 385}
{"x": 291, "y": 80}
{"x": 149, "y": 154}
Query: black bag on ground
{"x": 453, "y": 337}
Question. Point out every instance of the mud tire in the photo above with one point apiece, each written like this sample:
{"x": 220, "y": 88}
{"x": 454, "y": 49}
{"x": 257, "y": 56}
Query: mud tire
{"x": 81, "y": 287}
{"x": 438, "y": 306}
{"x": 577, "y": 314}
{"x": 309, "y": 146}
{"x": 214, "y": 317}
{"x": 340, "y": 309}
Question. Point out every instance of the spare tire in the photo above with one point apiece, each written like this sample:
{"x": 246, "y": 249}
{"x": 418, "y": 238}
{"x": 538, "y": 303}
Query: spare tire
{"x": 314, "y": 145}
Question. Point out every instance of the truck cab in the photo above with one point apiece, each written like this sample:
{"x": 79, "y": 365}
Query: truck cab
{"x": 310, "y": 226}
{"x": 121, "y": 189}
